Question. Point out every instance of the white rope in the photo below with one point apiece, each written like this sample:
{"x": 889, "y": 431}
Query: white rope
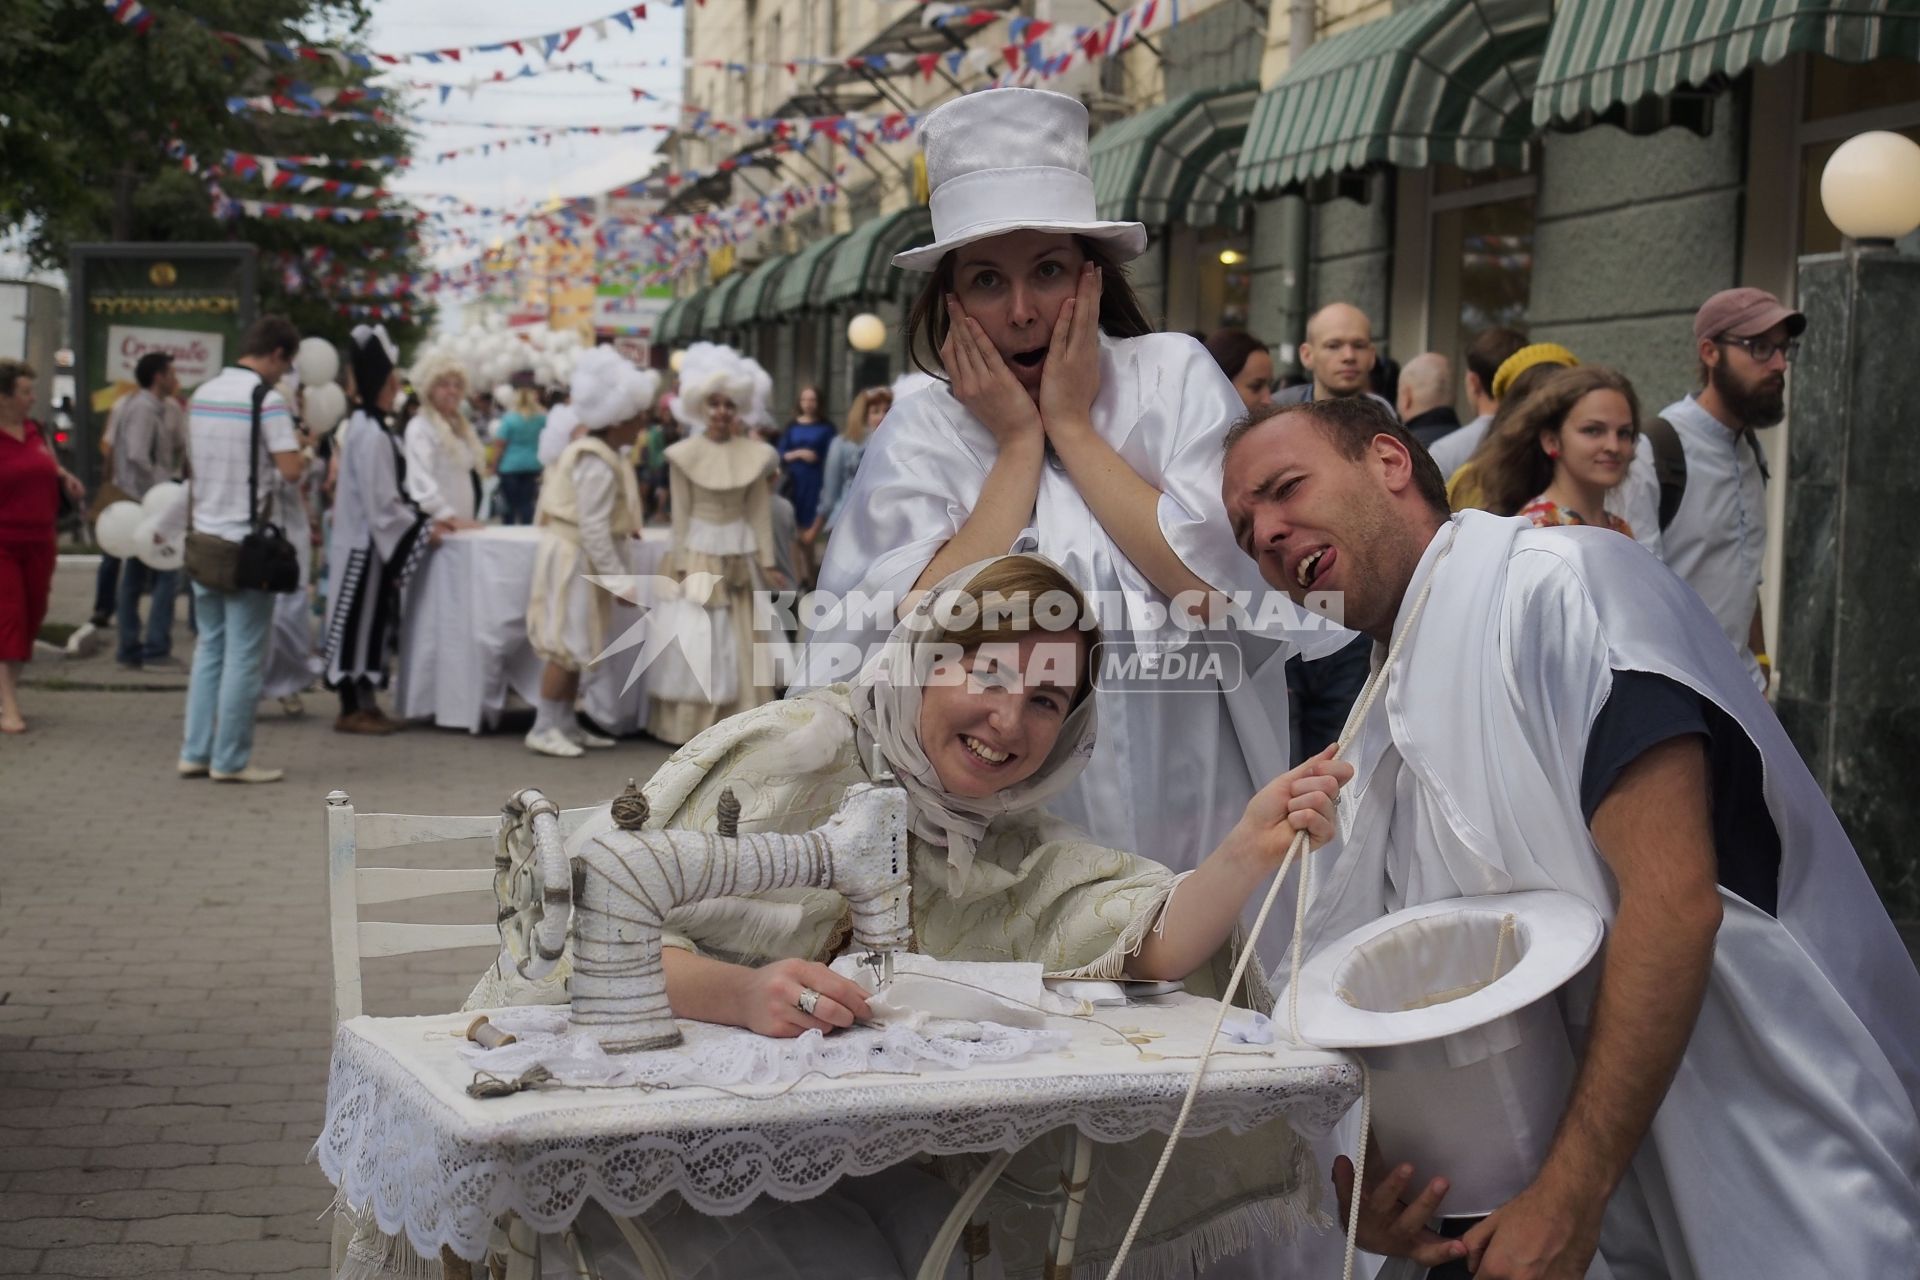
{"x": 1298, "y": 846}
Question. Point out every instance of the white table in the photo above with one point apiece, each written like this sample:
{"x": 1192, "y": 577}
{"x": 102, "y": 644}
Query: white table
{"x": 439, "y": 1167}
{"x": 464, "y": 647}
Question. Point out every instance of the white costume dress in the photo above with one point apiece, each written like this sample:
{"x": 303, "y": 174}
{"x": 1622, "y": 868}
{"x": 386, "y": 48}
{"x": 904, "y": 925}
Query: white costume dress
{"x": 376, "y": 540}
{"x": 1173, "y": 771}
{"x": 1788, "y": 1143}
{"x": 290, "y": 662}
{"x": 722, "y": 539}
{"x": 589, "y": 504}
{"x": 443, "y": 468}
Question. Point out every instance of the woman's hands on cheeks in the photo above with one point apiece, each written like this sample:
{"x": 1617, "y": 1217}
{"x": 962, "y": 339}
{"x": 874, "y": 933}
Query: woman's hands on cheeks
{"x": 1302, "y": 799}
{"x": 1072, "y": 376}
{"x": 984, "y": 385}
{"x": 772, "y": 1004}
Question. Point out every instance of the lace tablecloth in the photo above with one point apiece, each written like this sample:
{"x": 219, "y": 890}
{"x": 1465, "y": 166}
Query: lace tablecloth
{"x": 403, "y": 1138}
{"x": 464, "y": 643}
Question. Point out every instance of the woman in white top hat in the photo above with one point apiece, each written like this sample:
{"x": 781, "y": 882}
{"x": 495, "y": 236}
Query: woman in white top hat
{"x": 1065, "y": 425}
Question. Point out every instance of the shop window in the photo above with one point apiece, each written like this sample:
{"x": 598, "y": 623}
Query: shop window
{"x": 1482, "y": 254}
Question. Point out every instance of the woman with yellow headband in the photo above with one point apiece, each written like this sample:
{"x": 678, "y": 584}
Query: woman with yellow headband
{"x": 1518, "y": 375}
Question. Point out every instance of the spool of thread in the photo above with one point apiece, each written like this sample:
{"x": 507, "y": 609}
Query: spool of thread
{"x": 488, "y": 1036}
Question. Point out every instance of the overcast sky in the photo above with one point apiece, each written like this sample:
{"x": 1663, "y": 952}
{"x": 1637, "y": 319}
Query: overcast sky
{"x": 570, "y": 165}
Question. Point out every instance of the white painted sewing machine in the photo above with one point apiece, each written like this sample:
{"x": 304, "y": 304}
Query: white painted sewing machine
{"x": 611, "y": 897}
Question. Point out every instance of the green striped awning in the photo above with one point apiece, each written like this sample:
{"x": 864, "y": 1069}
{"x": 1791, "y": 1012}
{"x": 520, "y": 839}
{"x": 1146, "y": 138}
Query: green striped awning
{"x": 673, "y": 318}
{"x": 1439, "y": 82}
{"x": 805, "y": 273}
{"x": 862, "y": 266}
{"x": 713, "y": 310}
{"x": 1172, "y": 163}
{"x": 1608, "y": 53}
{"x": 754, "y": 297}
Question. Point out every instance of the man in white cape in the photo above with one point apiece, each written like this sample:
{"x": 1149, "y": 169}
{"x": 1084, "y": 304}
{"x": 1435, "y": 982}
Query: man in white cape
{"x": 1750, "y": 1036}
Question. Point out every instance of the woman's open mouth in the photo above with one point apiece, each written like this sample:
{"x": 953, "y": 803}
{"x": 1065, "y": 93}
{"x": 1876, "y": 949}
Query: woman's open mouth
{"x": 984, "y": 756}
{"x": 1029, "y": 359}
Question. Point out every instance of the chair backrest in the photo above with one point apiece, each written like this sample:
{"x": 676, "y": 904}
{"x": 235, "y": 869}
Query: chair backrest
{"x": 351, "y": 886}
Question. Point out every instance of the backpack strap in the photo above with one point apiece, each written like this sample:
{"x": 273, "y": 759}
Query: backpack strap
{"x": 1669, "y": 467}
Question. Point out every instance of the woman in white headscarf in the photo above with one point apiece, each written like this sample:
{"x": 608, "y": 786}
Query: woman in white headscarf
{"x": 984, "y": 725}
{"x": 445, "y": 456}
{"x": 1067, "y": 425}
{"x": 723, "y": 547}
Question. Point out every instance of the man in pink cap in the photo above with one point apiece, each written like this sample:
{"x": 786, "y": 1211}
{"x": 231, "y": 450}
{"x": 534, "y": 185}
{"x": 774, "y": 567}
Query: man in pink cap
{"x": 1704, "y": 484}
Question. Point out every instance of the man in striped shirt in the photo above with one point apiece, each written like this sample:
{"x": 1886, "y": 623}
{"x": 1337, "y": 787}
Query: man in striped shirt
{"x": 229, "y": 658}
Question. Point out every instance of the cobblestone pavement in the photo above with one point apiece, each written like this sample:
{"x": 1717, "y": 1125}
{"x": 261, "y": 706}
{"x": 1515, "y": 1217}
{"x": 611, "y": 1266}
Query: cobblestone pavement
{"x": 165, "y": 987}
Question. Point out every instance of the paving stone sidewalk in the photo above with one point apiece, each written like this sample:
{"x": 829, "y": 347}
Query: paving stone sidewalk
{"x": 165, "y": 988}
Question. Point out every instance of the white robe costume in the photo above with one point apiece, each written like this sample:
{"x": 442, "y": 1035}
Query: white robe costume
{"x": 1172, "y": 772}
{"x": 1788, "y": 1143}
{"x": 375, "y": 542}
{"x": 290, "y": 662}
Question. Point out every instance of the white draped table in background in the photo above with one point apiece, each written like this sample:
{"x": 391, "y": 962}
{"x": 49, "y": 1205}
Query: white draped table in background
{"x": 438, "y": 1167}
{"x": 464, "y": 647}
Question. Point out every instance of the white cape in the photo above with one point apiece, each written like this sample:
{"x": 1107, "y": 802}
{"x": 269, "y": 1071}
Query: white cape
{"x": 1172, "y": 771}
{"x": 1788, "y": 1143}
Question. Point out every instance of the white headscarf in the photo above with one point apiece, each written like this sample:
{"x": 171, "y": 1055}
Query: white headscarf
{"x": 886, "y": 706}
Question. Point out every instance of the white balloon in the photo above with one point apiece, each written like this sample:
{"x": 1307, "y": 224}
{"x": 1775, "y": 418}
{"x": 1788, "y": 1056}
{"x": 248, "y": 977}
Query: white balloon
{"x": 503, "y": 396}
{"x": 117, "y": 528}
{"x": 317, "y": 362}
{"x": 161, "y": 498}
{"x": 157, "y": 552}
{"x": 323, "y": 407}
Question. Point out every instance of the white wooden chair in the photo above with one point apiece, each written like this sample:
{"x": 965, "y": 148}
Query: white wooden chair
{"x": 351, "y": 886}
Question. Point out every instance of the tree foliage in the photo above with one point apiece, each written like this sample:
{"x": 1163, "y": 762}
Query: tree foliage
{"x": 87, "y": 108}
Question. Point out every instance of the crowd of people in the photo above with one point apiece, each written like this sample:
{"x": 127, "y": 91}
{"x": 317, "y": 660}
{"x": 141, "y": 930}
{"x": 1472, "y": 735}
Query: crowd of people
{"x": 1559, "y": 596}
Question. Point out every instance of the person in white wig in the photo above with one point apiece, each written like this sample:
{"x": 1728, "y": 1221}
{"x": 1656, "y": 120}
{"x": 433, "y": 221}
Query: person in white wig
{"x": 723, "y": 548}
{"x": 1066, "y": 424}
{"x": 589, "y": 505}
{"x": 378, "y": 536}
{"x": 445, "y": 456}
{"x": 1563, "y": 713}
{"x": 995, "y": 877}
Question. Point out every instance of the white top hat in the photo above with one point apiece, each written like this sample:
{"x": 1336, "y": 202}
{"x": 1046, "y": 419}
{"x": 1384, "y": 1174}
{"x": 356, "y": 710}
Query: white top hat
{"x": 1012, "y": 160}
{"x": 1444, "y": 967}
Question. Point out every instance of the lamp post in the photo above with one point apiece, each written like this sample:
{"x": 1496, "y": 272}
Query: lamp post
{"x": 1850, "y": 670}
{"x": 866, "y": 334}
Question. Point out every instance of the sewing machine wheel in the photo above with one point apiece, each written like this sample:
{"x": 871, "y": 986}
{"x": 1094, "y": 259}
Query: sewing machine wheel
{"x": 531, "y": 885}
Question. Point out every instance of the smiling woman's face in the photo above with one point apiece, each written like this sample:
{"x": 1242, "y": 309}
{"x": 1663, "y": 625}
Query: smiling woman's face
{"x": 1014, "y": 286}
{"x": 991, "y": 720}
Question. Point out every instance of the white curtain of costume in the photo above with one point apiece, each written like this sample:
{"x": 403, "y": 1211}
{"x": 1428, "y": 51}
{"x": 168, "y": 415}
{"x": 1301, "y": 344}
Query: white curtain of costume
{"x": 1172, "y": 772}
{"x": 1788, "y": 1142}
{"x": 290, "y": 664}
{"x": 442, "y": 467}
{"x": 375, "y": 532}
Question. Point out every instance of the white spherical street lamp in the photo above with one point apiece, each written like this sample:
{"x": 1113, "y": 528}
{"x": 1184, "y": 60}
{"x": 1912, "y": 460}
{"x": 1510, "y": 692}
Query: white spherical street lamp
{"x": 1871, "y": 187}
{"x": 866, "y": 332}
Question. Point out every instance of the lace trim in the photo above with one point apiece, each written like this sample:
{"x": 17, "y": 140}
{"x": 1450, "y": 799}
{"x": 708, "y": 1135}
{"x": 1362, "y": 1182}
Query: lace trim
{"x": 388, "y": 1144}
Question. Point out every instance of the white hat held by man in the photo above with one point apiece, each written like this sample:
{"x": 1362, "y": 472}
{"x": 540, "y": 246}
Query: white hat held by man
{"x": 1012, "y": 160}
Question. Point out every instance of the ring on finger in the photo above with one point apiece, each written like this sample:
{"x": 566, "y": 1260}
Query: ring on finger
{"x": 809, "y": 999}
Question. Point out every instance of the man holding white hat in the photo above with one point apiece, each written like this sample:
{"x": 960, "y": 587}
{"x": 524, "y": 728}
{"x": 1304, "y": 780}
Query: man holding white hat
{"x": 1561, "y": 713}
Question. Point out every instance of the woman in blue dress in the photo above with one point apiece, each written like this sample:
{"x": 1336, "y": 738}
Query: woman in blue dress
{"x": 803, "y": 451}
